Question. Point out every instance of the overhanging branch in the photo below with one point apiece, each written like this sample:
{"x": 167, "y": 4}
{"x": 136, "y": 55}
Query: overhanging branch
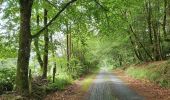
{"x": 54, "y": 18}
{"x": 104, "y": 8}
{"x": 51, "y": 4}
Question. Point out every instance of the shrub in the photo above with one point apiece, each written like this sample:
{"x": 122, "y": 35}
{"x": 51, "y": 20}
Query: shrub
{"x": 7, "y": 76}
{"x": 60, "y": 83}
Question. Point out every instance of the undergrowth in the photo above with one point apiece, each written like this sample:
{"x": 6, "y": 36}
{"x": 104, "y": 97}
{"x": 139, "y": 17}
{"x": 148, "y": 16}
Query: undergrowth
{"x": 7, "y": 79}
{"x": 157, "y": 73}
{"x": 61, "y": 81}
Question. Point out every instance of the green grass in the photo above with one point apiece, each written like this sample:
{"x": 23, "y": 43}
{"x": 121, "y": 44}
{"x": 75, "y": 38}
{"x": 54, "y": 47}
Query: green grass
{"x": 61, "y": 81}
{"x": 157, "y": 73}
{"x": 88, "y": 81}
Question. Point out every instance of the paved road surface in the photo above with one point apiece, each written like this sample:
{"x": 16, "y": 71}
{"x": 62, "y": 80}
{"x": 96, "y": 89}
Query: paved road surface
{"x": 107, "y": 86}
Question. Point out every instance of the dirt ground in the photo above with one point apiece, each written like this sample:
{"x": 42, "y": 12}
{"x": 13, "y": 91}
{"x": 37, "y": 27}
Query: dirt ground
{"x": 72, "y": 92}
{"x": 144, "y": 87}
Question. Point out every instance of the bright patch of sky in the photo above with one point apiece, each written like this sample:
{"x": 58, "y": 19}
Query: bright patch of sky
{"x": 2, "y": 7}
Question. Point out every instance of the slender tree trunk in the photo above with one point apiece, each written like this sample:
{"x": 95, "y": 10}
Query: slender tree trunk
{"x": 46, "y": 39}
{"x": 149, "y": 18}
{"x": 68, "y": 46}
{"x": 157, "y": 51}
{"x": 120, "y": 60}
{"x": 137, "y": 53}
{"x": 156, "y": 31}
{"x": 164, "y": 20}
{"x": 137, "y": 39}
{"x": 168, "y": 18}
{"x": 53, "y": 55}
{"x": 22, "y": 86}
{"x": 149, "y": 22}
{"x": 68, "y": 54}
{"x": 36, "y": 44}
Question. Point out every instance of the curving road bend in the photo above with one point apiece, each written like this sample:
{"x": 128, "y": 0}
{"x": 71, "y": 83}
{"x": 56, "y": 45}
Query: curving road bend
{"x": 107, "y": 86}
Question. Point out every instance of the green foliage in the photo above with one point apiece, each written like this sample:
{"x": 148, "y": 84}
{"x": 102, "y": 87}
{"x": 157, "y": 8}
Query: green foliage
{"x": 111, "y": 33}
{"x": 157, "y": 74}
{"x": 61, "y": 81}
{"x": 79, "y": 68}
{"x": 135, "y": 72}
{"x": 7, "y": 76}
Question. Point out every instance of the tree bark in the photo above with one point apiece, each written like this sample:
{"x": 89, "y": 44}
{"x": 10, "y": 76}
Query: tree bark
{"x": 137, "y": 39}
{"x": 156, "y": 31}
{"x": 137, "y": 53}
{"x": 68, "y": 45}
{"x": 164, "y": 20}
{"x": 53, "y": 55}
{"x": 68, "y": 52}
{"x": 46, "y": 39}
{"x": 149, "y": 18}
{"x": 22, "y": 86}
{"x": 36, "y": 44}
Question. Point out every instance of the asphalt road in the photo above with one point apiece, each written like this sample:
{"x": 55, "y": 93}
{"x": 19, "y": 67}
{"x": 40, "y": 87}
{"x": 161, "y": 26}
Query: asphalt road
{"x": 107, "y": 86}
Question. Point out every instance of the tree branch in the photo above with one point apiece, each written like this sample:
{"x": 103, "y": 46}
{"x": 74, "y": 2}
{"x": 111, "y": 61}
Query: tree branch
{"x": 53, "y": 19}
{"x": 101, "y": 5}
{"x": 51, "y": 4}
{"x": 141, "y": 43}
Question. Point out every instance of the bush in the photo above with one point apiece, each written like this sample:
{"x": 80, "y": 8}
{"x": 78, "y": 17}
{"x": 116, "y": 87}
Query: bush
{"x": 60, "y": 83}
{"x": 79, "y": 68}
{"x": 7, "y": 76}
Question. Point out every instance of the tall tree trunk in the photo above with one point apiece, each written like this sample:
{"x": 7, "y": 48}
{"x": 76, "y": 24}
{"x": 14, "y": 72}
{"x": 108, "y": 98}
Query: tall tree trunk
{"x": 68, "y": 54}
{"x": 22, "y": 86}
{"x": 144, "y": 48}
{"x": 164, "y": 20}
{"x": 53, "y": 55}
{"x": 46, "y": 39}
{"x": 68, "y": 46}
{"x": 157, "y": 53}
{"x": 149, "y": 19}
{"x": 149, "y": 22}
{"x": 137, "y": 53}
{"x": 156, "y": 31}
{"x": 36, "y": 44}
{"x": 168, "y": 18}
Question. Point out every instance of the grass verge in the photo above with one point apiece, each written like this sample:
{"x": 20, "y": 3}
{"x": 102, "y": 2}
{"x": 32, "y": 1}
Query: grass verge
{"x": 157, "y": 72}
{"x": 88, "y": 81}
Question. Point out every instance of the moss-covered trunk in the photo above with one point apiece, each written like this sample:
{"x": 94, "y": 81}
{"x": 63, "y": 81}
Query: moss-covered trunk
{"x": 46, "y": 39}
{"x": 24, "y": 47}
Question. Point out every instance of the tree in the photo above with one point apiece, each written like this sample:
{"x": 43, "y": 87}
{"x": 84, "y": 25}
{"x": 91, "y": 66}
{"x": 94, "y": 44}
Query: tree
{"x": 24, "y": 46}
{"x": 36, "y": 44}
{"x": 46, "y": 40}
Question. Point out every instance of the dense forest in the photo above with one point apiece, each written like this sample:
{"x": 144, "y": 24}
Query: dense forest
{"x": 45, "y": 45}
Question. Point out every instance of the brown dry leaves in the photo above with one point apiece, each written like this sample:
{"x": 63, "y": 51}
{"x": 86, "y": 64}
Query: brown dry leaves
{"x": 145, "y": 88}
{"x": 72, "y": 92}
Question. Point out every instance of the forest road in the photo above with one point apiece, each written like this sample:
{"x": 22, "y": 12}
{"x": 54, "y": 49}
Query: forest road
{"x": 108, "y": 86}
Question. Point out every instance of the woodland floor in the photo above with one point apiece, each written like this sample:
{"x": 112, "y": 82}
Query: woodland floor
{"x": 113, "y": 86}
{"x": 72, "y": 92}
{"x": 145, "y": 88}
